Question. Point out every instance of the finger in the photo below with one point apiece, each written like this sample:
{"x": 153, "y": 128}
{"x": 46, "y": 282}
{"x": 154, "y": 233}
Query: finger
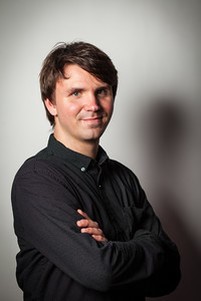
{"x": 99, "y": 238}
{"x": 83, "y": 214}
{"x": 83, "y": 223}
{"x": 92, "y": 231}
{"x": 88, "y": 222}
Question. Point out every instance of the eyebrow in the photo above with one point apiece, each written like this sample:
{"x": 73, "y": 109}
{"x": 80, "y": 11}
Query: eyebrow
{"x": 73, "y": 89}
{"x": 104, "y": 86}
{"x": 80, "y": 88}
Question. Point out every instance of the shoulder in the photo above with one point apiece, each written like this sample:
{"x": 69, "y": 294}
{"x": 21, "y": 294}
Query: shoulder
{"x": 126, "y": 174}
{"x": 118, "y": 166}
{"x": 42, "y": 163}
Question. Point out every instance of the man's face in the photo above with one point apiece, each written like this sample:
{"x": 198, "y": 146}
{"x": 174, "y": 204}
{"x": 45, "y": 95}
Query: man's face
{"x": 82, "y": 108}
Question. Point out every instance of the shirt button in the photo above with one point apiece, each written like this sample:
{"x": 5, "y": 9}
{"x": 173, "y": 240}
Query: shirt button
{"x": 83, "y": 168}
{"x": 99, "y": 185}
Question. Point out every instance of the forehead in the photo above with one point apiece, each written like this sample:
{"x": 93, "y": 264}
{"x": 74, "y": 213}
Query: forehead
{"x": 76, "y": 74}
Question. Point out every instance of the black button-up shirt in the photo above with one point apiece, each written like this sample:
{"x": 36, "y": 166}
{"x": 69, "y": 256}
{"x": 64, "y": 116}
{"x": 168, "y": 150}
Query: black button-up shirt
{"x": 57, "y": 262}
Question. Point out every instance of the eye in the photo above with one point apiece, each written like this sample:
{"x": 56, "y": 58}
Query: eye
{"x": 76, "y": 93}
{"x": 103, "y": 91}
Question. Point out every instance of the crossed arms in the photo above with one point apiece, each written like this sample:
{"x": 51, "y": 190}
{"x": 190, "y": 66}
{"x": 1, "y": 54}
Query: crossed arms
{"x": 76, "y": 244}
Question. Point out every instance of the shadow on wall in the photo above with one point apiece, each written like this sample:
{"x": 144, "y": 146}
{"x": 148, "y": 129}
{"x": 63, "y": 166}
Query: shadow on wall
{"x": 174, "y": 224}
{"x": 165, "y": 131}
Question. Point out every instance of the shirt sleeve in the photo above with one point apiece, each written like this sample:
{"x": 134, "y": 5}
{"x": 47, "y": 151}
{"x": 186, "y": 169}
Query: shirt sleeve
{"x": 149, "y": 262}
{"x": 45, "y": 212}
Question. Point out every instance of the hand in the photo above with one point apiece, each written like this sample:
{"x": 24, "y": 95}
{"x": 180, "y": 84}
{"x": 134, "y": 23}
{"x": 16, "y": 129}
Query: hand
{"x": 91, "y": 227}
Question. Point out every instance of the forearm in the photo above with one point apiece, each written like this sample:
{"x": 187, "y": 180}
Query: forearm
{"x": 148, "y": 260}
{"x": 146, "y": 263}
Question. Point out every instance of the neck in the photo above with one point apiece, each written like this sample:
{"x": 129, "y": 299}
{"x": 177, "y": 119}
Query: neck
{"x": 87, "y": 148}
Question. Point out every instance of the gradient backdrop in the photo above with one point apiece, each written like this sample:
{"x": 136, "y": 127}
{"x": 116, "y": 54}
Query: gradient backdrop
{"x": 156, "y": 47}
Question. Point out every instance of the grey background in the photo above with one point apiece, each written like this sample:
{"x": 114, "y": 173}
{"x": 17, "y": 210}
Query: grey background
{"x": 155, "y": 130}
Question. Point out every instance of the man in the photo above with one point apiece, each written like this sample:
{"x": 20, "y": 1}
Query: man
{"x": 85, "y": 228}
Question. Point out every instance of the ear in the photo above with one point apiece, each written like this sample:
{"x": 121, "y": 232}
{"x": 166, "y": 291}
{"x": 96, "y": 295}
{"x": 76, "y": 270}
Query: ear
{"x": 51, "y": 107}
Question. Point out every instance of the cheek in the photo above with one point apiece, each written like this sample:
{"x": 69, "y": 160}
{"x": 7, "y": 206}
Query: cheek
{"x": 108, "y": 107}
{"x": 69, "y": 109}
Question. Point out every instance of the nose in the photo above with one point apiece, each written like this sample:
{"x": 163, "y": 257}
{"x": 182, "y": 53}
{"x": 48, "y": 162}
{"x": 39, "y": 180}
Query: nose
{"x": 92, "y": 103}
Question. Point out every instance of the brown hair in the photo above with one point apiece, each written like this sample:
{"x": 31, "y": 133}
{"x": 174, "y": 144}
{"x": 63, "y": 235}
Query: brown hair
{"x": 87, "y": 56}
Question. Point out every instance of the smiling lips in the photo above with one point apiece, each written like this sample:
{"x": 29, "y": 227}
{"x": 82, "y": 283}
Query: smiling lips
{"x": 93, "y": 120}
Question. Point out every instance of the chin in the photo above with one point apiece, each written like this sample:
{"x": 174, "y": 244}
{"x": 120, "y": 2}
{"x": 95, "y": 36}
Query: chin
{"x": 92, "y": 139}
{"x": 93, "y": 134}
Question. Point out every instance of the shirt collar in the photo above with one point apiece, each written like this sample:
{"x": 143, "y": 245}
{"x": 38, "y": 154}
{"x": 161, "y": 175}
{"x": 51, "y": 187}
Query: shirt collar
{"x": 79, "y": 160}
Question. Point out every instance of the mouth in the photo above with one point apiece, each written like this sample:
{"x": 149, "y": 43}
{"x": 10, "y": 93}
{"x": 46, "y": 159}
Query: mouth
{"x": 92, "y": 118}
{"x": 93, "y": 121}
